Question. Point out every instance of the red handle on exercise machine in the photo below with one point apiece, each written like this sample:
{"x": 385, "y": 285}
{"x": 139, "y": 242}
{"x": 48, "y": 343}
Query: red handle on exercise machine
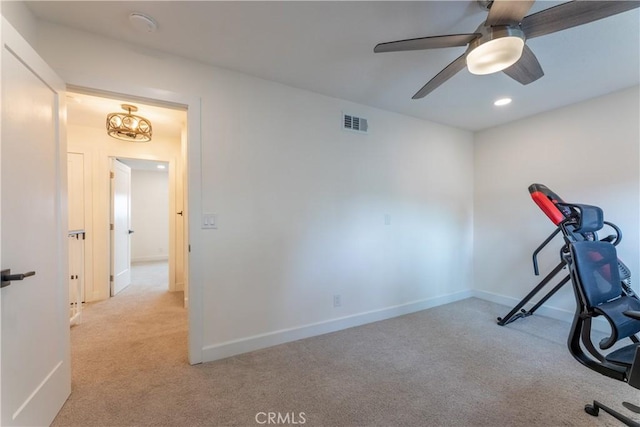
{"x": 548, "y": 201}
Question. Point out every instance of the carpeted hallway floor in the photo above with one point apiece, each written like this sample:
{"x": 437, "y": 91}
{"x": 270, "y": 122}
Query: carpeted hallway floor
{"x": 122, "y": 348}
{"x": 447, "y": 366}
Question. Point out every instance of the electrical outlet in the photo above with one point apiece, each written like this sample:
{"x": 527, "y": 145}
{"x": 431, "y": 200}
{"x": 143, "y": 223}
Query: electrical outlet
{"x": 337, "y": 301}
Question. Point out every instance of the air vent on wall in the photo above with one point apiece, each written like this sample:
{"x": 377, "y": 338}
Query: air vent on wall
{"x": 353, "y": 123}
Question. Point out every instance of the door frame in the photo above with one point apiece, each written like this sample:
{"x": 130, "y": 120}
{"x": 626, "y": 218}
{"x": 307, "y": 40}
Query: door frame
{"x": 193, "y": 264}
{"x": 172, "y": 207}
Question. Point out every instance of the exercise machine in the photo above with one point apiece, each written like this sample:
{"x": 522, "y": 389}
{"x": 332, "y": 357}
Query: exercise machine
{"x": 567, "y": 218}
{"x": 602, "y": 289}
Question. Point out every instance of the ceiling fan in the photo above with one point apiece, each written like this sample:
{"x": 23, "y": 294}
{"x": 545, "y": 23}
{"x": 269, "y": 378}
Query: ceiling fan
{"x": 498, "y": 44}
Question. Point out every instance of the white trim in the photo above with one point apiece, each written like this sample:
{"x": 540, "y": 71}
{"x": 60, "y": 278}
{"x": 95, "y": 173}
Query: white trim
{"x": 193, "y": 184}
{"x": 173, "y": 190}
{"x": 269, "y": 339}
{"x": 257, "y": 342}
{"x": 152, "y": 258}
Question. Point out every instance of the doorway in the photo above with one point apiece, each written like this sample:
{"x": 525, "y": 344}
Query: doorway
{"x": 141, "y": 210}
{"x": 95, "y": 153}
{"x": 190, "y": 174}
{"x": 88, "y": 138}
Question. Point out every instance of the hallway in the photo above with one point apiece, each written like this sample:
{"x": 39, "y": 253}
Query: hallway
{"x": 123, "y": 348}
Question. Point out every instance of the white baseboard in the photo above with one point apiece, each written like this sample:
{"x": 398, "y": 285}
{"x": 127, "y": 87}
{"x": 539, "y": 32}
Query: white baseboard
{"x": 257, "y": 342}
{"x": 150, "y": 258}
{"x": 598, "y": 324}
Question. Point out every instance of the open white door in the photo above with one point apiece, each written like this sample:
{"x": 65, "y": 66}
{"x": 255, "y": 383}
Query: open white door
{"x": 35, "y": 376}
{"x": 121, "y": 221}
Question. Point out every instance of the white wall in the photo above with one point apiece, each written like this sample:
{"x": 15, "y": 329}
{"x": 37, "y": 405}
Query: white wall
{"x": 301, "y": 204}
{"x": 587, "y": 153}
{"x": 21, "y": 19}
{"x": 149, "y": 215}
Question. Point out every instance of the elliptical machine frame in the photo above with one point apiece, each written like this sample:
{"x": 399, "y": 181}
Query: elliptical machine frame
{"x": 566, "y": 217}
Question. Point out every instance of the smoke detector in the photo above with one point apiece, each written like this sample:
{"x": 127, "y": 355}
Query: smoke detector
{"x": 143, "y": 23}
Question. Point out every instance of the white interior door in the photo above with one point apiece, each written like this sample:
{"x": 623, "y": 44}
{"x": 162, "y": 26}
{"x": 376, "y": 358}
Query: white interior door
{"x": 121, "y": 233}
{"x": 35, "y": 376}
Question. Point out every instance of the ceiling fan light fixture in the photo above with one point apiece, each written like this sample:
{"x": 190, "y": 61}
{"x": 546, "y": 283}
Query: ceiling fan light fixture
{"x": 498, "y": 49}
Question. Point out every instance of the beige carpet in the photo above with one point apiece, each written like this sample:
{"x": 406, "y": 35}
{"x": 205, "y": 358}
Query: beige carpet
{"x": 447, "y": 366}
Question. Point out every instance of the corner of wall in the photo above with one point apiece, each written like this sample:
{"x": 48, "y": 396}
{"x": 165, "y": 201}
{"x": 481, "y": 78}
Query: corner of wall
{"x": 19, "y": 15}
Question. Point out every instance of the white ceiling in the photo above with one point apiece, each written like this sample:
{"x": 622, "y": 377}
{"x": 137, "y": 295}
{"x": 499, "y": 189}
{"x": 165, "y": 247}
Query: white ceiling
{"x": 327, "y": 47}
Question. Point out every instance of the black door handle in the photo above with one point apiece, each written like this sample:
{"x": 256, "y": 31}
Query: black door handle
{"x": 131, "y": 232}
{"x": 179, "y": 213}
{"x": 7, "y": 277}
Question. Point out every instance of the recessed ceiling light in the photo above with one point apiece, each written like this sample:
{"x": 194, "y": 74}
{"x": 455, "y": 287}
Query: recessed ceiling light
{"x": 161, "y": 166}
{"x": 502, "y": 101}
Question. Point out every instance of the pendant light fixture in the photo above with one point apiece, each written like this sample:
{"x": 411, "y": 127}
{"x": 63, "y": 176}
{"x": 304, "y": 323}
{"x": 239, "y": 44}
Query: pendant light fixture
{"x": 127, "y": 126}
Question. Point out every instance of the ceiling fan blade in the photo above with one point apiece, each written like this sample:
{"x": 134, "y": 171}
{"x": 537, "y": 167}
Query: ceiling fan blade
{"x": 505, "y": 12}
{"x": 444, "y": 75}
{"x": 434, "y": 42}
{"x": 572, "y": 14}
{"x": 527, "y": 69}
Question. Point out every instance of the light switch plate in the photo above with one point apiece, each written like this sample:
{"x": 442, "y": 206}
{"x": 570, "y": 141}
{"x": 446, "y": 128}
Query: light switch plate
{"x": 209, "y": 220}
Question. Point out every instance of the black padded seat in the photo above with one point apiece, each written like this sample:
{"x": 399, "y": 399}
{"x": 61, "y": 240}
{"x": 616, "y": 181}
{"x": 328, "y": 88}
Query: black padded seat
{"x": 622, "y": 325}
{"x": 623, "y": 356}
